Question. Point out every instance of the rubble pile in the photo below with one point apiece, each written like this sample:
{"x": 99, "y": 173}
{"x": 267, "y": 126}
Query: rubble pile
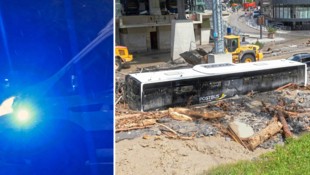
{"x": 273, "y": 115}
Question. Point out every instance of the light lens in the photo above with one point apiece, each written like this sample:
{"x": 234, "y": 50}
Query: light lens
{"x": 23, "y": 116}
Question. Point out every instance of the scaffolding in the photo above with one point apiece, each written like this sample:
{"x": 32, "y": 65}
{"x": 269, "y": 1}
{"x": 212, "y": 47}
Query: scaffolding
{"x": 217, "y": 27}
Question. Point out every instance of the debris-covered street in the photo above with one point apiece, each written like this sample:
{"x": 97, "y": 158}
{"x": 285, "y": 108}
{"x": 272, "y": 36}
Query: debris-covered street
{"x": 187, "y": 143}
{"x": 182, "y": 140}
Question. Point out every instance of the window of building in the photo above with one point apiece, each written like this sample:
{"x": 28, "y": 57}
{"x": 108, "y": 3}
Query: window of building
{"x": 286, "y": 12}
{"x": 302, "y": 12}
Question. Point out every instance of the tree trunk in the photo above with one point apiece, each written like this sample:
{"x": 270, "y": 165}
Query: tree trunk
{"x": 264, "y": 134}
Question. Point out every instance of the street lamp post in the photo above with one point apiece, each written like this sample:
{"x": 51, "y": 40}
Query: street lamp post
{"x": 261, "y": 23}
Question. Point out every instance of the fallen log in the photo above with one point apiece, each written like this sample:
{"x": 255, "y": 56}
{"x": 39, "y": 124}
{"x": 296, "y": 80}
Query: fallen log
{"x": 260, "y": 137}
{"x": 197, "y": 113}
{"x": 286, "y": 130}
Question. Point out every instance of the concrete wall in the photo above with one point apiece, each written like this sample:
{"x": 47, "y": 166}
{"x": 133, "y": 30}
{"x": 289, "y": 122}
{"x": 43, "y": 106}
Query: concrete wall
{"x": 154, "y": 7}
{"x": 135, "y": 39}
{"x": 205, "y": 36}
{"x": 205, "y": 31}
{"x": 164, "y": 37}
{"x": 182, "y": 38}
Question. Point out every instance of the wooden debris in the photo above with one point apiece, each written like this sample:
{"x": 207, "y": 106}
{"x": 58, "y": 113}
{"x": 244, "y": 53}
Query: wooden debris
{"x": 140, "y": 120}
{"x": 285, "y": 86}
{"x": 174, "y": 136}
{"x": 129, "y": 129}
{"x": 186, "y": 114}
{"x": 264, "y": 134}
{"x": 177, "y": 116}
{"x": 292, "y": 114}
{"x": 118, "y": 99}
{"x": 223, "y": 105}
{"x": 250, "y": 94}
{"x": 286, "y": 130}
{"x": 147, "y": 122}
{"x": 146, "y": 137}
{"x": 171, "y": 130}
{"x": 233, "y": 135}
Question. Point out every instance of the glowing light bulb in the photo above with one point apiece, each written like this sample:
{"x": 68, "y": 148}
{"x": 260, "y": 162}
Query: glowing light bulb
{"x": 23, "y": 116}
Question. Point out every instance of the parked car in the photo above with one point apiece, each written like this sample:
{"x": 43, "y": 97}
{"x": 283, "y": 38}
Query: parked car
{"x": 256, "y": 13}
{"x": 301, "y": 57}
{"x": 277, "y": 25}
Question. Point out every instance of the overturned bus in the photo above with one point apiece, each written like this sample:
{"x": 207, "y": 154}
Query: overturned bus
{"x": 208, "y": 82}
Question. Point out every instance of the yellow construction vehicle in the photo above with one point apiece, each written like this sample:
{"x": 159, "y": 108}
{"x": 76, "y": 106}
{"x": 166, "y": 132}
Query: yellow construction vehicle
{"x": 122, "y": 57}
{"x": 241, "y": 53}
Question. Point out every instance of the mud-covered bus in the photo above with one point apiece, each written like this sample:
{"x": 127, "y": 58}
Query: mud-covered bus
{"x": 208, "y": 82}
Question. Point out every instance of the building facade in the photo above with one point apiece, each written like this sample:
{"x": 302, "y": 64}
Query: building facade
{"x": 294, "y": 14}
{"x": 147, "y": 26}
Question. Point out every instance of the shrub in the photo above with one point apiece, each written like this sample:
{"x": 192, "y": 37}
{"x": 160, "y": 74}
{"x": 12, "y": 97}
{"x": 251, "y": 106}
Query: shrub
{"x": 271, "y": 30}
{"x": 260, "y": 44}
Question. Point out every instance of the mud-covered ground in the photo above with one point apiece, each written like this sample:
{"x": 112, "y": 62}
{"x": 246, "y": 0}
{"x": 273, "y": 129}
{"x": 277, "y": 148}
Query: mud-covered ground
{"x": 150, "y": 151}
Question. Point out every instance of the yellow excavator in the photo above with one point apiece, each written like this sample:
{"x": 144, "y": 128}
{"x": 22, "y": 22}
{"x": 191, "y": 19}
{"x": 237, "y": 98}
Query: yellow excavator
{"x": 122, "y": 57}
{"x": 241, "y": 53}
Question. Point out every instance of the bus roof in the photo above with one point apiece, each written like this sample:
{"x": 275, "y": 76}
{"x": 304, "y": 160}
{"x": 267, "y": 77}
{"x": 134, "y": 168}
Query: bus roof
{"x": 208, "y": 70}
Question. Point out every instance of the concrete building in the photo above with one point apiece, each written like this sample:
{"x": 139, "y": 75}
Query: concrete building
{"x": 293, "y": 14}
{"x": 151, "y": 28}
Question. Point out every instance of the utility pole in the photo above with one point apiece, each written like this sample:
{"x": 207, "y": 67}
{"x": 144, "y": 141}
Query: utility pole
{"x": 261, "y": 22}
{"x": 181, "y": 9}
{"x": 217, "y": 26}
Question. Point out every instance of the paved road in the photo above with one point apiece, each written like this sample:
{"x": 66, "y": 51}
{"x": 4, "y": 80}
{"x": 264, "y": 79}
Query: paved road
{"x": 241, "y": 21}
{"x": 282, "y": 39}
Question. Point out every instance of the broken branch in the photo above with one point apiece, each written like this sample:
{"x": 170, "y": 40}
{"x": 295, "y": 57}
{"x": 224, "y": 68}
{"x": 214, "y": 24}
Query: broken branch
{"x": 286, "y": 129}
{"x": 171, "y": 130}
{"x": 285, "y": 86}
{"x": 132, "y": 128}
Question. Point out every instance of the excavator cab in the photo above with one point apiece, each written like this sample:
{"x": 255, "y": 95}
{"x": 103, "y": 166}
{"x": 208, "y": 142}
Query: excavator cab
{"x": 231, "y": 43}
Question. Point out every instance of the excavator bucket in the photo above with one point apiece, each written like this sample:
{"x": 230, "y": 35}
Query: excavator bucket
{"x": 194, "y": 57}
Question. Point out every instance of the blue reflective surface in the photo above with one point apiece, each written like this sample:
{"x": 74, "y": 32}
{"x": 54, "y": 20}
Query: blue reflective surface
{"x": 57, "y": 57}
